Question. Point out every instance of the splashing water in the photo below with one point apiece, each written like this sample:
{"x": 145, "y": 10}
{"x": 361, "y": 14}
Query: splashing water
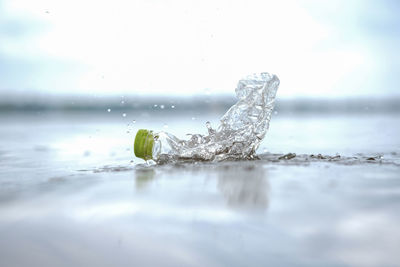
{"x": 241, "y": 131}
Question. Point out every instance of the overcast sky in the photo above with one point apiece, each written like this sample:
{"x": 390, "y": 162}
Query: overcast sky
{"x": 317, "y": 48}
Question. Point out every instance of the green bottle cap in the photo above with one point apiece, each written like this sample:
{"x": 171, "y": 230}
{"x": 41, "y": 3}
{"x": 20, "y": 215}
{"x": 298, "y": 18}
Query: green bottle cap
{"x": 144, "y": 142}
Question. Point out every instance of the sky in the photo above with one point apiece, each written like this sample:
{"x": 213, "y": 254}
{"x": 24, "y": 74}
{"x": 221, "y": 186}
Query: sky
{"x": 328, "y": 49}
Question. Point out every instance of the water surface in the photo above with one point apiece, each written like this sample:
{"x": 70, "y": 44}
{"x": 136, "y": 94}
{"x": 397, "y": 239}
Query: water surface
{"x": 72, "y": 194}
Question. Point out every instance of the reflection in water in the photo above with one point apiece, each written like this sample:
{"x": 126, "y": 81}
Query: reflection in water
{"x": 244, "y": 188}
{"x": 143, "y": 177}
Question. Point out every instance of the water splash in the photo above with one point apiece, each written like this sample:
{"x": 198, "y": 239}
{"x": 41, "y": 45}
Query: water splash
{"x": 241, "y": 131}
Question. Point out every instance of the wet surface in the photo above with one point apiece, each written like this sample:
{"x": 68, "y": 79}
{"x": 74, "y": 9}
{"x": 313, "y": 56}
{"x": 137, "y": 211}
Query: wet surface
{"x": 71, "y": 194}
{"x": 231, "y": 213}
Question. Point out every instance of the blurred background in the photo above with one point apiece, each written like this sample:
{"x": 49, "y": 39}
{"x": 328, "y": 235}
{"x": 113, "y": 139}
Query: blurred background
{"x": 51, "y": 50}
{"x": 78, "y": 78}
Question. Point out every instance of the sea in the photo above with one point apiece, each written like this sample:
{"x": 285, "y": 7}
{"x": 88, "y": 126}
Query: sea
{"x": 323, "y": 191}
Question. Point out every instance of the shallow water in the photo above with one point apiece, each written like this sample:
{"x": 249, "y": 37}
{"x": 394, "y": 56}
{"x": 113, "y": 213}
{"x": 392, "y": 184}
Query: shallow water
{"x": 72, "y": 194}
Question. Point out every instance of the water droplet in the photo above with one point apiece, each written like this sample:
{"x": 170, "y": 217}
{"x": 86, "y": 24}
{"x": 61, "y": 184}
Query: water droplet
{"x": 275, "y": 112}
{"x": 134, "y": 121}
{"x": 172, "y": 106}
{"x": 155, "y": 105}
{"x": 165, "y": 126}
{"x": 162, "y": 106}
{"x": 109, "y": 110}
{"x": 193, "y": 118}
{"x": 122, "y": 102}
{"x": 123, "y": 114}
